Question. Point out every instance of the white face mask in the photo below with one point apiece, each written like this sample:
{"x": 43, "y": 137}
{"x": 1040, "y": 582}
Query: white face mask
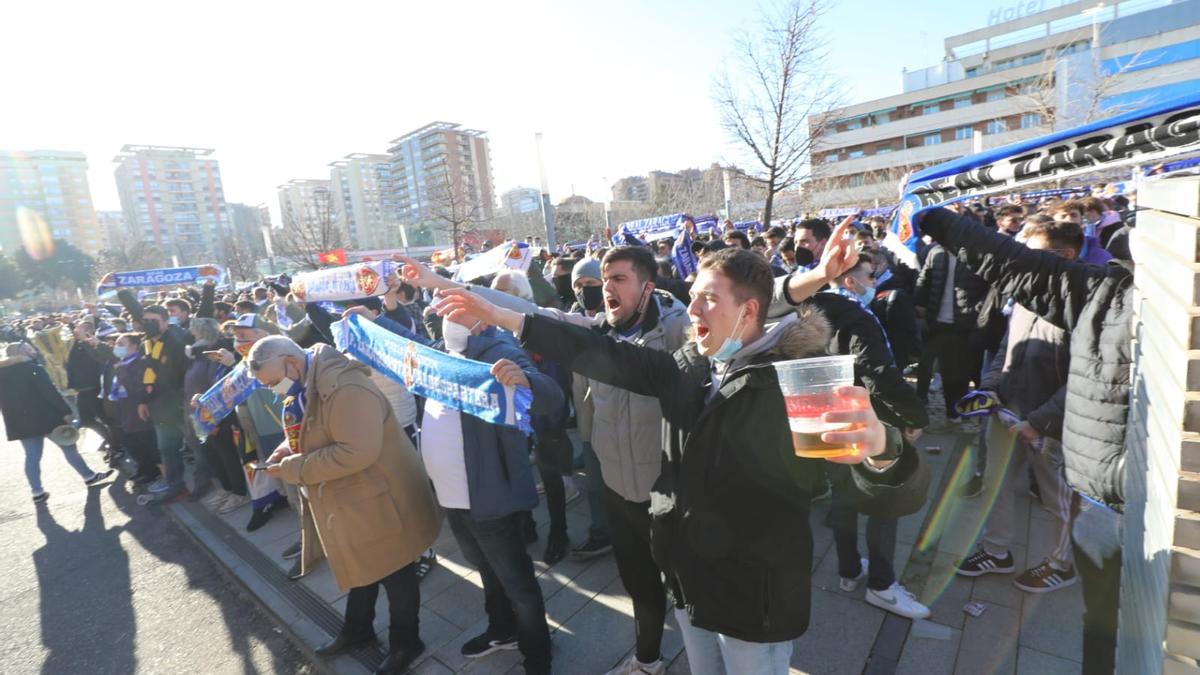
{"x": 455, "y": 336}
{"x": 283, "y": 387}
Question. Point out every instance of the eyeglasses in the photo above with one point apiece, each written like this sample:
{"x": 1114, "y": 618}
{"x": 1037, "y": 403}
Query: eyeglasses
{"x": 254, "y": 365}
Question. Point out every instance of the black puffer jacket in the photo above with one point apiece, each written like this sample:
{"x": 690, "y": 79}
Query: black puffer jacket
{"x": 896, "y": 311}
{"x": 969, "y": 289}
{"x": 857, "y": 332}
{"x": 730, "y": 509}
{"x": 1095, "y": 303}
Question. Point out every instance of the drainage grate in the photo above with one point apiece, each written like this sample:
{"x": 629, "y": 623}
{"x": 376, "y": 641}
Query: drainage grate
{"x": 302, "y": 599}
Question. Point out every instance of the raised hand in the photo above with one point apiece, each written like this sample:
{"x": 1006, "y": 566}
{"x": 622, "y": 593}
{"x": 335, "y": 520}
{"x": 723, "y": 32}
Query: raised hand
{"x": 416, "y": 274}
{"x": 840, "y": 254}
{"x": 462, "y": 306}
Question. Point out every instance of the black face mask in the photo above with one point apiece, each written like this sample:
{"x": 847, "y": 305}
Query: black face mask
{"x": 590, "y": 297}
{"x": 151, "y": 329}
{"x": 562, "y": 286}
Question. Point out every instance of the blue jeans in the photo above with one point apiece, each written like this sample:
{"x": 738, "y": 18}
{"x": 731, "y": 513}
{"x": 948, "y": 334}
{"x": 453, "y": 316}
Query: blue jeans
{"x": 169, "y": 437}
{"x": 881, "y": 541}
{"x": 595, "y": 493}
{"x": 33, "y": 462}
{"x": 511, "y": 595}
{"x": 711, "y": 653}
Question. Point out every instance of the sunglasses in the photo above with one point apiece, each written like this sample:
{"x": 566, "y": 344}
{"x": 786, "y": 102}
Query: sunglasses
{"x": 254, "y": 365}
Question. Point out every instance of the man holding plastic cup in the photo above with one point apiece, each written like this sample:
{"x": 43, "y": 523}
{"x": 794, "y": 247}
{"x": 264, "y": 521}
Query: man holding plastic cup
{"x": 730, "y": 508}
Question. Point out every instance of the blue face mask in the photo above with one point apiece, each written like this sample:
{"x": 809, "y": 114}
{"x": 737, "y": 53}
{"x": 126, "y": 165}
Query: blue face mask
{"x": 867, "y": 296}
{"x": 731, "y": 346}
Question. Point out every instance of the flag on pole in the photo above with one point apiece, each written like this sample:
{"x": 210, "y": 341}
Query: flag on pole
{"x": 335, "y": 257}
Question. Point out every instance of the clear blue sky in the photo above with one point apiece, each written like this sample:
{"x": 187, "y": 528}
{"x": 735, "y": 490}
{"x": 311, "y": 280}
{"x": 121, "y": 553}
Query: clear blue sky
{"x": 618, "y": 87}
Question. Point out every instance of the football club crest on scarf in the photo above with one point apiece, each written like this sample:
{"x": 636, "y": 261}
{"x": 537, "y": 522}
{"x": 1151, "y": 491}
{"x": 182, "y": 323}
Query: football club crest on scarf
{"x": 360, "y": 280}
{"x": 226, "y": 394}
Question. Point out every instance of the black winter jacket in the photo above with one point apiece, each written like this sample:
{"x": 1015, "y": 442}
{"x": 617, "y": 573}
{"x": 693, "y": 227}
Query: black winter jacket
{"x": 31, "y": 406}
{"x": 858, "y": 333}
{"x": 895, "y": 309}
{"x": 969, "y": 289}
{"x": 730, "y": 525}
{"x": 1096, "y": 304}
{"x": 85, "y": 366}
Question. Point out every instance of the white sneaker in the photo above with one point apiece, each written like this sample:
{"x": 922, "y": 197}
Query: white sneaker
{"x": 572, "y": 491}
{"x": 232, "y": 503}
{"x": 632, "y": 666}
{"x": 897, "y": 600}
{"x": 851, "y": 585}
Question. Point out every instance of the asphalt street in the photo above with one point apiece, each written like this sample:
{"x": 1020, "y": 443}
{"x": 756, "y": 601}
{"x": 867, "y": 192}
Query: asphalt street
{"x": 90, "y": 582}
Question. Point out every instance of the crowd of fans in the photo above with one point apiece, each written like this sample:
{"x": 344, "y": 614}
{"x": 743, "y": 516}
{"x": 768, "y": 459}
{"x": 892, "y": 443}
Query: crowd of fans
{"x": 690, "y": 477}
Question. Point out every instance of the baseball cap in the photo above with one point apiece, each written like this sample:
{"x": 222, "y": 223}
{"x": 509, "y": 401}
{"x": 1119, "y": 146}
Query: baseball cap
{"x": 255, "y": 321}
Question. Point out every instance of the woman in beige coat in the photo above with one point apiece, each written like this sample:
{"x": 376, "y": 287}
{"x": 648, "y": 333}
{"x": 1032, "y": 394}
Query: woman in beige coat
{"x": 366, "y": 502}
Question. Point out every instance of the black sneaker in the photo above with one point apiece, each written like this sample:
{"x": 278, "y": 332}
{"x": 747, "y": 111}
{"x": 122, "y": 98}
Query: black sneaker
{"x": 981, "y": 562}
{"x": 557, "y": 546}
{"x": 425, "y": 564}
{"x": 973, "y": 487}
{"x": 592, "y": 548}
{"x": 98, "y": 477}
{"x": 1045, "y": 578}
{"x": 41, "y": 497}
{"x": 482, "y": 645}
{"x": 259, "y": 518}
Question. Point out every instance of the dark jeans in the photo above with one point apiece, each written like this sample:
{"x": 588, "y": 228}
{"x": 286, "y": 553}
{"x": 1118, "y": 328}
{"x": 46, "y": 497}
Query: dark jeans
{"x": 595, "y": 494}
{"x": 881, "y": 541}
{"x": 949, "y": 346}
{"x": 629, "y": 529}
{"x": 223, "y": 460}
{"x": 91, "y": 413}
{"x": 143, "y": 449}
{"x": 554, "y": 453}
{"x": 1096, "y": 541}
{"x": 511, "y": 595}
{"x": 404, "y": 602}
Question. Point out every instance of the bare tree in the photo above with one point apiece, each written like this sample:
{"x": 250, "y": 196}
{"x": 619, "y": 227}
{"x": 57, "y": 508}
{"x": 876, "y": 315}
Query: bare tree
{"x": 125, "y": 254}
{"x": 309, "y": 233}
{"x": 240, "y": 261}
{"x": 779, "y": 101}
{"x": 1087, "y": 93}
{"x": 453, "y": 207}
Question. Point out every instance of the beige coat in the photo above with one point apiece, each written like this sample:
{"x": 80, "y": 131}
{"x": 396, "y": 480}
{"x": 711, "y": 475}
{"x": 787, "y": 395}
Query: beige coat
{"x": 369, "y": 500}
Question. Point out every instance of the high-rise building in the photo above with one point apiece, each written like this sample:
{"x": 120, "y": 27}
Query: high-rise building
{"x": 438, "y": 169}
{"x": 1022, "y": 75}
{"x": 521, "y": 200}
{"x": 249, "y": 223}
{"x": 112, "y": 227}
{"x": 361, "y": 186}
{"x": 172, "y": 196}
{"x": 307, "y": 203}
{"x": 51, "y": 185}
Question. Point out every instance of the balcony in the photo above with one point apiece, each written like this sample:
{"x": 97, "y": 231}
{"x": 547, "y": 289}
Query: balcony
{"x": 909, "y": 126}
{"x": 924, "y": 154}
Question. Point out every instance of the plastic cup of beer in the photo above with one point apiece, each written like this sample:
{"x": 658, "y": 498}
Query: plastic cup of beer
{"x": 809, "y": 389}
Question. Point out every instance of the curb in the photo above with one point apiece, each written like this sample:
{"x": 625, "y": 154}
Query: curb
{"x": 303, "y": 630}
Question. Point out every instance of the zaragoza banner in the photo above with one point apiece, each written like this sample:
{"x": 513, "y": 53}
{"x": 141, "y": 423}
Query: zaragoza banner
{"x": 1138, "y": 137}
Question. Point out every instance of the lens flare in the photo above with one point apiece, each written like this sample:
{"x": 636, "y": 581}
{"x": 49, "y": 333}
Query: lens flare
{"x": 35, "y": 234}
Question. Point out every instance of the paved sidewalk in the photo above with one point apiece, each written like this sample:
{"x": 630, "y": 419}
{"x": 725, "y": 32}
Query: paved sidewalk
{"x": 592, "y": 617}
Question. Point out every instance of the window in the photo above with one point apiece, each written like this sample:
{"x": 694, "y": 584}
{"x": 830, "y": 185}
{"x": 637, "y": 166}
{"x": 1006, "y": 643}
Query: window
{"x": 931, "y": 139}
{"x": 962, "y": 101}
{"x": 831, "y": 158}
{"x": 963, "y": 133}
{"x": 882, "y": 148}
{"x": 996, "y": 126}
{"x": 995, "y": 95}
{"x": 1031, "y": 120}
{"x": 854, "y": 124}
{"x": 930, "y": 108}
{"x": 882, "y": 118}
{"x": 855, "y": 154}
{"x": 973, "y": 71}
{"x": 857, "y": 180}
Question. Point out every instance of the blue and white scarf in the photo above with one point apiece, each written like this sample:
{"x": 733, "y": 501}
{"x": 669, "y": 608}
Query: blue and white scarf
{"x": 459, "y": 383}
{"x": 226, "y": 394}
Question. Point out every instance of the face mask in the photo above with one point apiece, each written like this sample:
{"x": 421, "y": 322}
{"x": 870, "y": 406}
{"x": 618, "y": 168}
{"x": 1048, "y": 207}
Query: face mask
{"x": 634, "y": 318}
{"x": 455, "y": 336}
{"x": 173, "y": 321}
{"x": 152, "y": 329}
{"x": 731, "y": 345}
{"x": 867, "y": 296}
{"x": 120, "y": 351}
{"x": 562, "y": 286}
{"x": 283, "y": 387}
{"x": 590, "y": 297}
